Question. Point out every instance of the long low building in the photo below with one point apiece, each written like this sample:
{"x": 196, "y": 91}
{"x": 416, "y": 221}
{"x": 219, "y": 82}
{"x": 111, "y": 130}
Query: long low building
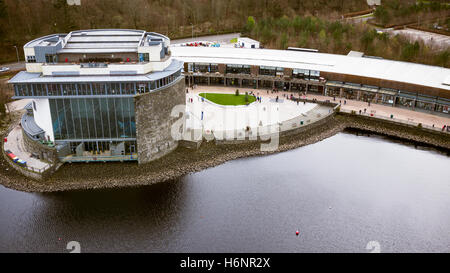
{"x": 353, "y": 76}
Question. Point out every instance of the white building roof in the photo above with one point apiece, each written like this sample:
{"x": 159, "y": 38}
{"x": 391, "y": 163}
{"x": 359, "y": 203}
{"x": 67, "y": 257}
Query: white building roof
{"x": 99, "y": 40}
{"x": 247, "y": 40}
{"x": 426, "y": 75}
{"x": 28, "y": 77}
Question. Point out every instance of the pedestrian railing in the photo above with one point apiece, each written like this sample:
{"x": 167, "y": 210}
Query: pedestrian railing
{"x": 408, "y": 121}
{"x": 38, "y": 170}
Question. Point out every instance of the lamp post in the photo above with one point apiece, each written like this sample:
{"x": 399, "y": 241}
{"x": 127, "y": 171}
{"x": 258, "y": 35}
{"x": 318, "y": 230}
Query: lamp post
{"x": 17, "y": 52}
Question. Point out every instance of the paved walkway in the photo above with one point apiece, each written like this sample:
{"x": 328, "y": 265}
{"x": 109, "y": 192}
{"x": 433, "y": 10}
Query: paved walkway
{"x": 16, "y": 146}
{"x": 377, "y": 109}
{"x": 18, "y": 105}
{"x": 386, "y": 111}
{"x": 265, "y": 117}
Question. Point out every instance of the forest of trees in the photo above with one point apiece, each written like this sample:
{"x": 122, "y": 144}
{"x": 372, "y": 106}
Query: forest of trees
{"x": 23, "y": 20}
{"x": 395, "y": 12}
{"x": 338, "y": 37}
{"x": 277, "y": 23}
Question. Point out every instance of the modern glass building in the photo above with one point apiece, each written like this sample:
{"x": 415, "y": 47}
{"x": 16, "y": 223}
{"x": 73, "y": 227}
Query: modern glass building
{"x": 83, "y": 87}
{"x": 355, "y": 76}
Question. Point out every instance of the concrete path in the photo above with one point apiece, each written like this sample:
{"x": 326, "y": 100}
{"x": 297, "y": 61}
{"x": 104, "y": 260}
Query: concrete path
{"x": 263, "y": 117}
{"x": 18, "y": 105}
{"x": 266, "y": 112}
{"x": 377, "y": 109}
{"x": 16, "y": 146}
{"x": 386, "y": 111}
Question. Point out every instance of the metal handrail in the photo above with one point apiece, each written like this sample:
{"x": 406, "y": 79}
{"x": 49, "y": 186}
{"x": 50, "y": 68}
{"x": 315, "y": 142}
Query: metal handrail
{"x": 410, "y": 121}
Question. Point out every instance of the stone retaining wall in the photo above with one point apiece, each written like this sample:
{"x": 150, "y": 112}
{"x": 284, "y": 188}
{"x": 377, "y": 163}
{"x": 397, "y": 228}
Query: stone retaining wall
{"x": 154, "y": 123}
{"x": 22, "y": 170}
{"x": 45, "y": 152}
{"x": 394, "y": 129}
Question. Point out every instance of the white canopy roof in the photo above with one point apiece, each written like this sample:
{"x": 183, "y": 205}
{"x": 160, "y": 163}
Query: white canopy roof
{"x": 426, "y": 75}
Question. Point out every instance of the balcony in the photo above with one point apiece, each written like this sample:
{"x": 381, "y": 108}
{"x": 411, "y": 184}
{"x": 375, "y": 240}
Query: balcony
{"x": 103, "y": 68}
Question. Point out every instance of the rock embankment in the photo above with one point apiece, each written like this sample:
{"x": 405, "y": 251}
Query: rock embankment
{"x": 440, "y": 140}
{"x": 183, "y": 161}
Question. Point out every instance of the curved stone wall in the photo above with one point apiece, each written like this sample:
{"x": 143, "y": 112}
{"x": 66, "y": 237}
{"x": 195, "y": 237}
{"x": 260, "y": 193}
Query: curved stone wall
{"x": 153, "y": 120}
{"x": 43, "y": 151}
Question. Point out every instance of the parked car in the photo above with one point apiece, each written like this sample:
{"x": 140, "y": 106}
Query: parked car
{"x": 4, "y": 69}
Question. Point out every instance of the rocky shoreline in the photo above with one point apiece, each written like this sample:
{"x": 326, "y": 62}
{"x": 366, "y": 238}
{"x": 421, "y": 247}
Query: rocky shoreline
{"x": 182, "y": 161}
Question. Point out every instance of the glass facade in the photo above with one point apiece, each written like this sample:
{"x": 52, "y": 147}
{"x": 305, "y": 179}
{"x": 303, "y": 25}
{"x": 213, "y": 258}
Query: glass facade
{"x": 238, "y": 69}
{"x": 91, "y": 89}
{"x": 93, "y": 118}
{"x": 305, "y": 74}
{"x": 203, "y": 67}
{"x": 349, "y": 90}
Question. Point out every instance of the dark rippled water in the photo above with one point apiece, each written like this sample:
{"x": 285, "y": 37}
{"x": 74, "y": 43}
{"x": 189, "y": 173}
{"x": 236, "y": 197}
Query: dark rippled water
{"x": 340, "y": 194}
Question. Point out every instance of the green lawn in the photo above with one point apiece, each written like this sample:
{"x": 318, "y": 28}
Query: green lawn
{"x": 227, "y": 99}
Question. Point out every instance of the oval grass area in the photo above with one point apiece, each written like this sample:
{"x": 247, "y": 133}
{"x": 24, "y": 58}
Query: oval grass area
{"x": 227, "y": 99}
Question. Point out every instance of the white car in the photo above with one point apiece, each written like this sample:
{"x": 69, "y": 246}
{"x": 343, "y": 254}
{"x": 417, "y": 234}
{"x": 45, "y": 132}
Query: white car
{"x": 4, "y": 69}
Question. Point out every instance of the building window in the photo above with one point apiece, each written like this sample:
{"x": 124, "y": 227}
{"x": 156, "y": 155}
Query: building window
{"x": 144, "y": 57}
{"x": 238, "y": 69}
{"x": 31, "y": 59}
{"x": 50, "y": 58}
{"x": 267, "y": 70}
{"x": 213, "y": 68}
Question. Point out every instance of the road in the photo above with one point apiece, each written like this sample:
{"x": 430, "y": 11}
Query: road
{"x": 14, "y": 66}
{"x": 222, "y": 39}
{"x": 439, "y": 40}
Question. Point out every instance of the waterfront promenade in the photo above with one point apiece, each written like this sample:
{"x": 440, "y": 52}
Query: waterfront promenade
{"x": 260, "y": 118}
{"x": 15, "y": 144}
{"x": 378, "y": 110}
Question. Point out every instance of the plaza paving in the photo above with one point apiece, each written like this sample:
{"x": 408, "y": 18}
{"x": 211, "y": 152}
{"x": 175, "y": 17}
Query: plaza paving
{"x": 266, "y": 116}
{"x": 385, "y": 111}
{"x": 18, "y": 105}
{"x": 16, "y": 146}
{"x": 289, "y": 109}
